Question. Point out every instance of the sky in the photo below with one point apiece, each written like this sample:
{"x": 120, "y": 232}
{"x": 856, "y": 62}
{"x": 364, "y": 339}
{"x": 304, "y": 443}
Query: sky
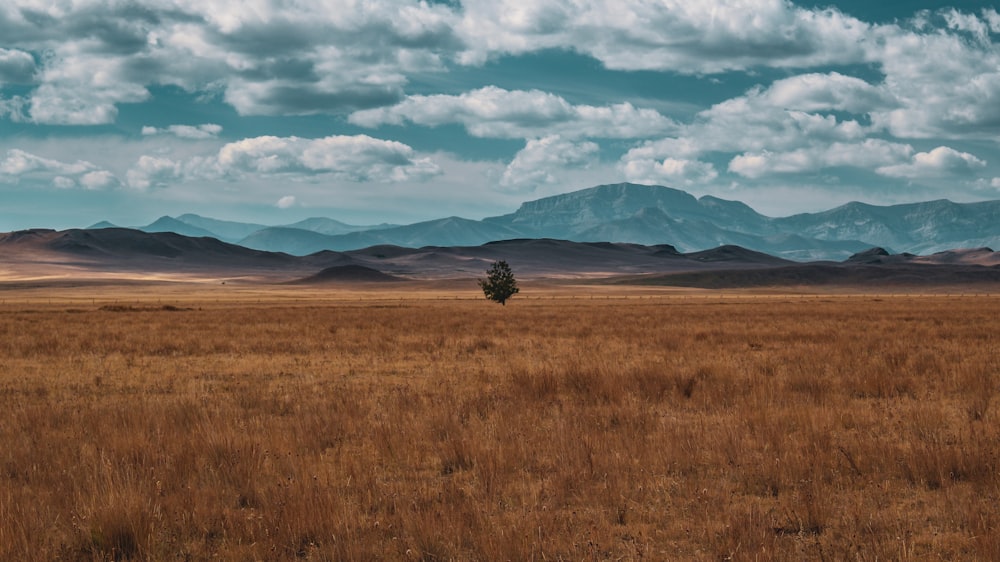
{"x": 373, "y": 111}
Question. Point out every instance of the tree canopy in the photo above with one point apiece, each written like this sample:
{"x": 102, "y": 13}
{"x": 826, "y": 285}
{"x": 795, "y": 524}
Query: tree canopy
{"x": 499, "y": 284}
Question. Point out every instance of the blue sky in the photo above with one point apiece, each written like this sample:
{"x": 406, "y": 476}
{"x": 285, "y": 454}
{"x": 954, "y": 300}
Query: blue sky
{"x": 399, "y": 111}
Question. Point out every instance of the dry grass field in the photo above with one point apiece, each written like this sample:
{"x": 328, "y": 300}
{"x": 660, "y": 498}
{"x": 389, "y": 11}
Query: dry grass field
{"x": 820, "y": 428}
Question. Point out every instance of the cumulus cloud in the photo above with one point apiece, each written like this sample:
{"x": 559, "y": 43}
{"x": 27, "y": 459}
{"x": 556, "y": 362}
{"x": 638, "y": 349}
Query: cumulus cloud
{"x": 16, "y": 67}
{"x": 826, "y": 92}
{"x": 989, "y": 186}
{"x": 870, "y": 154}
{"x": 499, "y": 113}
{"x": 977, "y": 27}
{"x": 783, "y": 118}
{"x": 780, "y": 116}
{"x": 14, "y": 108}
{"x": 62, "y": 182}
{"x": 194, "y": 132}
{"x": 943, "y": 84}
{"x": 286, "y": 202}
{"x": 75, "y": 63}
{"x": 993, "y": 19}
{"x": 674, "y": 35}
{"x": 342, "y": 56}
{"x": 18, "y": 165}
{"x": 153, "y": 171}
{"x": 943, "y": 161}
{"x": 803, "y": 123}
{"x": 353, "y": 158}
{"x": 83, "y": 89}
{"x": 670, "y": 171}
{"x": 312, "y": 57}
{"x": 99, "y": 179}
{"x": 277, "y": 58}
{"x": 542, "y": 160}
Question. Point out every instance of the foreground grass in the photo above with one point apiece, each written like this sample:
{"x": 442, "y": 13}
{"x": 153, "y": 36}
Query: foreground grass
{"x": 841, "y": 428}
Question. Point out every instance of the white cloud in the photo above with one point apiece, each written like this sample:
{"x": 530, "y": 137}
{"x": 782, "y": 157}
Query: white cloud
{"x": 676, "y": 35}
{"x": 993, "y": 19}
{"x": 826, "y": 92}
{"x": 271, "y": 58}
{"x": 18, "y": 165}
{"x": 940, "y": 81}
{"x": 82, "y": 89}
{"x": 969, "y": 23}
{"x": 542, "y": 161}
{"x": 62, "y": 182}
{"x": 670, "y": 171}
{"x": 16, "y": 66}
{"x": 936, "y": 84}
{"x": 870, "y": 154}
{"x": 162, "y": 161}
{"x": 286, "y": 202}
{"x": 354, "y": 158}
{"x": 771, "y": 120}
{"x": 498, "y": 113}
{"x": 99, "y": 179}
{"x": 14, "y": 108}
{"x": 760, "y": 120}
{"x": 943, "y": 161}
{"x": 989, "y": 187}
{"x": 153, "y": 171}
{"x": 319, "y": 57}
{"x": 944, "y": 85}
{"x": 306, "y": 57}
{"x": 194, "y": 132}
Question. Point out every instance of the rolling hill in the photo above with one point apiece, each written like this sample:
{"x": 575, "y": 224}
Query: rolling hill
{"x": 118, "y": 253}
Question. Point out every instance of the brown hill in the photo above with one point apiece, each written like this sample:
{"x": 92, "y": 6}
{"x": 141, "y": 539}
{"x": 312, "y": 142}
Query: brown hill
{"x": 351, "y": 273}
{"x": 132, "y": 254}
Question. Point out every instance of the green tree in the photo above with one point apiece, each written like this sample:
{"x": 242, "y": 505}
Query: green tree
{"x": 499, "y": 284}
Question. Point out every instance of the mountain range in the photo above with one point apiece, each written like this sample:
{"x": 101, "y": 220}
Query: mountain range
{"x": 639, "y": 214}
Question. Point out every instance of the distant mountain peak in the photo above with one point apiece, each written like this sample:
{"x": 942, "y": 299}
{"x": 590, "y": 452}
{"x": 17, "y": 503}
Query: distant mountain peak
{"x": 170, "y": 224}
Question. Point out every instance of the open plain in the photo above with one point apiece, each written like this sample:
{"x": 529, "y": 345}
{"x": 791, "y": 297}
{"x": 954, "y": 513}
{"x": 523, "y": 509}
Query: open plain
{"x": 421, "y": 422}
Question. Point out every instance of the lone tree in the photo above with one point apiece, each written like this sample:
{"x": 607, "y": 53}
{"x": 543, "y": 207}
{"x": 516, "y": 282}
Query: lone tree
{"x": 499, "y": 284}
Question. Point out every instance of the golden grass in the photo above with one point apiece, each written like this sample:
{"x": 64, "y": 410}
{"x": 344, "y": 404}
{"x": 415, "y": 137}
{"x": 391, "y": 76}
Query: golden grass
{"x": 748, "y": 429}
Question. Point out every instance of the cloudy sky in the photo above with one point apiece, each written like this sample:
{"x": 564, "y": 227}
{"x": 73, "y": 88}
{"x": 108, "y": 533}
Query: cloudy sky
{"x": 401, "y": 110}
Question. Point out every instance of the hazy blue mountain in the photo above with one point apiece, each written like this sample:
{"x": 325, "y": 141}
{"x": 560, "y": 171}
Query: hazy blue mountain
{"x": 627, "y": 213}
{"x": 334, "y": 227}
{"x": 170, "y": 224}
{"x": 451, "y": 231}
{"x": 737, "y": 215}
{"x": 917, "y": 228}
{"x": 295, "y": 241}
{"x": 800, "y": 248}
{"x": 652, "y": 226}
{"x": 569, "y": 214}
{"x": 102, "y": 224}
{"x": 230, "y": 231}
